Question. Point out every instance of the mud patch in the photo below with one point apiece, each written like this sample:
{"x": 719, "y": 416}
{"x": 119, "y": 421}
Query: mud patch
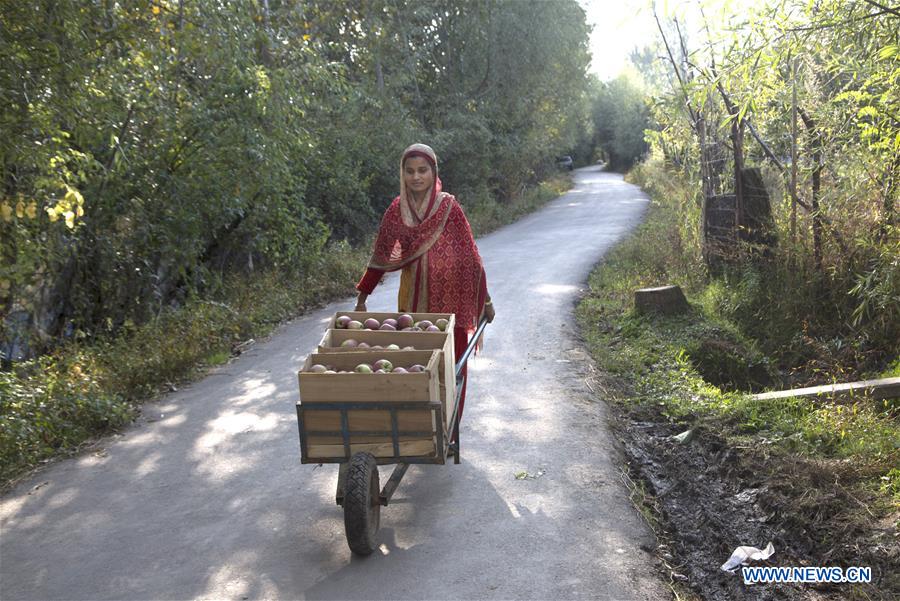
{"x": 730, "y": 365}
{"x": 711, "y": 497}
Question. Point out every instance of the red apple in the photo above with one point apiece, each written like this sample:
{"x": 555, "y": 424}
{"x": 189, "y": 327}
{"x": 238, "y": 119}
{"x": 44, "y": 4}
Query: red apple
{"x": 350, "y": 343}
{"x": 405, "y": 321}
{"x": 383, "y": 364}
{"x": 342, "y": 321}
{"x": 388, "y": 327}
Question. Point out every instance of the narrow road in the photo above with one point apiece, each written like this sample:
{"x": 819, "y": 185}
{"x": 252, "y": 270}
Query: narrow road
{"x": 206, "y": 497}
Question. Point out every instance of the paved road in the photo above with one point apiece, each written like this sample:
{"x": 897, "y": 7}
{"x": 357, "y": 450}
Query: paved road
{"x": 206, "y": 496}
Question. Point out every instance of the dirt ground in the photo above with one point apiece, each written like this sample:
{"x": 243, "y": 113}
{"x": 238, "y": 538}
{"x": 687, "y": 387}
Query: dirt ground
{"x": 707, "y": 498}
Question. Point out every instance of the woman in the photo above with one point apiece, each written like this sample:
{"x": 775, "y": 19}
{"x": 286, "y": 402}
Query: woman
{"x": 425, "y": 233}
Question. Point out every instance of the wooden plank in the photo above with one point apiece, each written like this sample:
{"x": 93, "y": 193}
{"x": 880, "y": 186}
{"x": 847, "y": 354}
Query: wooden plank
{"x": 884, "y": 388}
{"x": 448, "y": 379}
{"x": 332, "y": 340}
{"x": 360, "y": 387}
{"x": 412, "y": 448}
{"x": 370, "y": 420}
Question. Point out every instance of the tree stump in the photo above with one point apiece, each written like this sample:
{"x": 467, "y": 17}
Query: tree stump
{"x": 667, "y": 300}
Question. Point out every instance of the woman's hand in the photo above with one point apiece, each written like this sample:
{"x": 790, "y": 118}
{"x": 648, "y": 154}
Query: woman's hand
{"x": 489, "y": 311}
{"x": 361, "y": 302}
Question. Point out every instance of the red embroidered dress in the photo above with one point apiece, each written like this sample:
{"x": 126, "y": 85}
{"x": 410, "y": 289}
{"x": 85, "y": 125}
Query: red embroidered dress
{"x": 442, "y": 270}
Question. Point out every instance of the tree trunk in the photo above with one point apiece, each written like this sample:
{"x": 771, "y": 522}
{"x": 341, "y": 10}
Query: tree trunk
{"x": 817, "y": 218}
{"x": 891, "y": 188}
{"x": 667, "y": 300}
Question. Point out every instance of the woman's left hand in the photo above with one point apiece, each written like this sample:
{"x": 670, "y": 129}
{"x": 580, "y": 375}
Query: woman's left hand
{"x": 489, "y": 312}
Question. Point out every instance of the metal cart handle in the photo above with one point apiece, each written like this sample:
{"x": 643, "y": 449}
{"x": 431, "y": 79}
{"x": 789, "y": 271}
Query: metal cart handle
{"x": 465, "y": 357}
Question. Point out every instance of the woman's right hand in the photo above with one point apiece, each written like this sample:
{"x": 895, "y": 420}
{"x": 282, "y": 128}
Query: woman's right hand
{"x": 361, "y": 301}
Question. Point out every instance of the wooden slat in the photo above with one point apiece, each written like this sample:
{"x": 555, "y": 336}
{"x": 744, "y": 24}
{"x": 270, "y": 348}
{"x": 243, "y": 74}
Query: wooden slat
{"x": 412, "y": 448}
{"x": 355, "y": 387}
{"x": 332, "y": 340}
{"x": 321, "y": 420}
{"x": 884, "y": 388}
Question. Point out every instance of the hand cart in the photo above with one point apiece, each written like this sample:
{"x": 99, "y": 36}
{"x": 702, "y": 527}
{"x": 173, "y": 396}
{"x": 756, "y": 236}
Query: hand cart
{"x": 358, "y": 487}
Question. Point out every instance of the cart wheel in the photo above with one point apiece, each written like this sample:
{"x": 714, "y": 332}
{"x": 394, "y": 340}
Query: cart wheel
{"x": 362, "y": 504}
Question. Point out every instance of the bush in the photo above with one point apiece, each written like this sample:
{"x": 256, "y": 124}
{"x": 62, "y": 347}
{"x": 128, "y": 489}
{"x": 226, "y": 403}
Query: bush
{"x": 52, "y": 405}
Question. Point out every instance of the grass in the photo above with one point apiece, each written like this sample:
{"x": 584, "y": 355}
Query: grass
{"x": 655, "y": 360}
{"x": 53, "y": 405}
{"x": 486, "y": 215}
{"x": 829, "y": 469}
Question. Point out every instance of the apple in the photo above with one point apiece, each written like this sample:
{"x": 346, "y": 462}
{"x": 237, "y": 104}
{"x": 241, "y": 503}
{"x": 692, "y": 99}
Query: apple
{"x": 330, "y": 371}
{"x": 422, "y": 325}
{"x": 432, "y": 328}
{"x": 318, "y": 368}
{"x": 380, "y": 371}
{"x": 388, "y": 327}
{"x": 442, "y": 324}
{"x": 363, "y": 368}
{"x": 393, "y": 347}
{"x": 405, "y": 321}
{"x": 391, "y": 321}
{"x": 372, "y": 324}
{"x": 409, "y": 348}
{"x": 350, "y": 343}
{"x": 383, "y": 364}
{"x": 363, "y": 345}
{"x": 376, "y": 347}
{"x": 354, "y": 325}
{"x": 408, "y": 329}
{"x": 400, "y": 370}
{"x": 416, "y": 368}
{"x": 342, "y": 321}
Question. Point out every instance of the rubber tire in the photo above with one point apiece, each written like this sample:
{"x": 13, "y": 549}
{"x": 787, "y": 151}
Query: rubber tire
{"x": 362, "y": 506}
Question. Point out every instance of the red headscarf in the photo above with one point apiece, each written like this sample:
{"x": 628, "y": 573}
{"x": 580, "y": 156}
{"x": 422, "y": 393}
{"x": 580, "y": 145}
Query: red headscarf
{"x": 437, "y": 244}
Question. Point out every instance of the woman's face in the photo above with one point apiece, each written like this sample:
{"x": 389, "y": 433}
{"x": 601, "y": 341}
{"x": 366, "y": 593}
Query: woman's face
{"x": 417, "y": 175}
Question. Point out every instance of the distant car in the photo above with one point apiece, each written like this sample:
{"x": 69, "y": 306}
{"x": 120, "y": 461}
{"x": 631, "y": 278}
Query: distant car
{"x": 565, "y": 162}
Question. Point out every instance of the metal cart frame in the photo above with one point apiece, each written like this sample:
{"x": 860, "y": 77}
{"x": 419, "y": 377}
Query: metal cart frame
{"x": 357, "y": 487}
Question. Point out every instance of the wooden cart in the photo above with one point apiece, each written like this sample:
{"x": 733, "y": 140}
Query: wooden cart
{"x": 361, "y": 421}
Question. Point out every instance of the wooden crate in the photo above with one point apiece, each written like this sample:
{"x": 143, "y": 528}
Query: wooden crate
{"x": 419, "y": 393}
{"x": 333, "y": 338}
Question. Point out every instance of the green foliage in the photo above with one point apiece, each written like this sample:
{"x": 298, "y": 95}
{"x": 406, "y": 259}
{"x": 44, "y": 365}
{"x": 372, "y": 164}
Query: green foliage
{"x": 51, "y": 405}
{"x": 656, "y": 358}
{"x": 620, "y": 115}
{"x": 152, "y": 150}
{"x": 485, "y": 215}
